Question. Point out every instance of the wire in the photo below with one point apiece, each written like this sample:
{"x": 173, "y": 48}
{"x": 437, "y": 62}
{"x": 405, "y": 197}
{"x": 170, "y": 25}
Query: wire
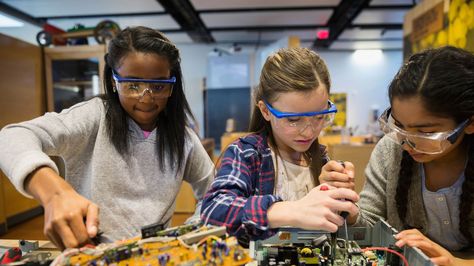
{"x": 389, "y": 250}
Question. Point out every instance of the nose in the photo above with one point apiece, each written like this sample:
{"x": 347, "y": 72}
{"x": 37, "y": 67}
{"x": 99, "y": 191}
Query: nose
{"x": 407, "y": 145}
{"x": 308, "y": 133}
{"x": 144, "y": 98}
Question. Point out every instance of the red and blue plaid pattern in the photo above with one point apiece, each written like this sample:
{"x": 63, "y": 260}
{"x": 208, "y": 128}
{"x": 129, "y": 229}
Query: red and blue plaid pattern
{"x": 242, "y": 190}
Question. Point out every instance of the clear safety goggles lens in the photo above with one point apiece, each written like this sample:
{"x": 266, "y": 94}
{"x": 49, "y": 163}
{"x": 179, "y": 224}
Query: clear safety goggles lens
{"x": 138, "y": 90}
{"x": 428, "y": 143}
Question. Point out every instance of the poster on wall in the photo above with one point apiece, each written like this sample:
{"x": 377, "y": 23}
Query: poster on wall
{"x": 437, "y": 23}
{"x": 340, "y": 100}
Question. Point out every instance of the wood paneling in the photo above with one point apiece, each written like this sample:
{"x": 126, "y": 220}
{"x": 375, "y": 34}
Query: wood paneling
{"x": 185, "y": 201}
{"x": 357, "y": 154}
{"x": 22, "y": 98}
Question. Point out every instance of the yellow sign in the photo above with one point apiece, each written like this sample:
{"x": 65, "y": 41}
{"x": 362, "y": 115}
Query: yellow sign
{"x": 429, "y": 22}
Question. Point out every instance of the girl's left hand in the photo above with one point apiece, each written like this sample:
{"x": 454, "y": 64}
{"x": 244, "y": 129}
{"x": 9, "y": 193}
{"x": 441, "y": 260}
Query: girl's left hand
{"x": 414, "y": 238}
{"x": 337, "y": 174}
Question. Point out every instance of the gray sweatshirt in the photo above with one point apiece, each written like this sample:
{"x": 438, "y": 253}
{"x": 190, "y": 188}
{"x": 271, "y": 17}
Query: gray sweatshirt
{"x": 377, "y": 199}
{"x": 131, "y": 190}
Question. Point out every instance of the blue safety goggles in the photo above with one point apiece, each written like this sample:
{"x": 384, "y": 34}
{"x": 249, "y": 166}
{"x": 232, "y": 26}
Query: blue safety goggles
{"x": 119, "y": 79}
{"x": 278, "y": 114}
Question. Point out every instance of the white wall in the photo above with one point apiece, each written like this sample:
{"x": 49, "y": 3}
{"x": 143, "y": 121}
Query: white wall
{"x": 365, "y": 80}
{"x": 194, "y": 67}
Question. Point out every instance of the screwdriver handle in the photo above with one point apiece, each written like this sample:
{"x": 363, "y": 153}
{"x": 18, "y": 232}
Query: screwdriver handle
{"x": 11, "y": 255}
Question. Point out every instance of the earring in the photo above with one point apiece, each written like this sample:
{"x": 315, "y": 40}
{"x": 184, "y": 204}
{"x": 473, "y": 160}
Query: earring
{"x": 114, "y": 89}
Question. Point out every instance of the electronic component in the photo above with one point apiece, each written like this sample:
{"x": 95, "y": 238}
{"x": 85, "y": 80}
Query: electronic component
{"x": 182, "y": 245}
{"x": 364, "y": 247}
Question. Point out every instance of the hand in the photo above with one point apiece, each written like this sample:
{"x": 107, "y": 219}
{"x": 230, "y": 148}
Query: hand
{"x": 64, "y": 218}
{"x": 318, "y": 210}
{"x": 414, "y": 238}
{"x": 65, "y": 214}
{"x": 65, "y": 210}
{"x": 338, "y": 175}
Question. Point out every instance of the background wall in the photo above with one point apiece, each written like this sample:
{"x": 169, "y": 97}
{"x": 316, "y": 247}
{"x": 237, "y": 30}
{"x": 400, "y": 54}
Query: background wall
{"x": 365, "y": 79}
{"x": 194, "y": 67}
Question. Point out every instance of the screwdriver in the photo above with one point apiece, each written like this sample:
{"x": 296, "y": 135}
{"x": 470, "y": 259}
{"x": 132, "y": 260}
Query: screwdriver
{"x": 344, "y": 214}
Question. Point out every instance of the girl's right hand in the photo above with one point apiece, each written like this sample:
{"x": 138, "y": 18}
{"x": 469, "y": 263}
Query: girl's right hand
{"x": 70, "y": 220}
{"x": 318, "y": 210}
{"x": 338, "y": 174}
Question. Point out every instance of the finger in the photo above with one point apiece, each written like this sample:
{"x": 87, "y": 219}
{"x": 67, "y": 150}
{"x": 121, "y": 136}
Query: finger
{"x": 333, "y": 166}
{"x": 92, "y": 220}
{"x": 336, "y": 176}
{"x": 67, "y": 236}
{"x": 335, "y": 219}
{"x": 55, "y": 239}
{"x": 348, "y": 185}
{"x": 425, "y": 246}
{"x": 78, "y": 228}
{"x": 440, "y": 261}
{"x": 407, "y": 232}
{"x": 339, "y": 206}
{"x": 349, "y": 169}
{"x": 344, "y": 193}
{"x": 326, "y": 225}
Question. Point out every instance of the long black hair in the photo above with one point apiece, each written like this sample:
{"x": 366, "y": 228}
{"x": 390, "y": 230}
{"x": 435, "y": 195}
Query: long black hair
{"x": 289, "y": 70}
{"x": 172, "y": 121}
{"x": 443, "y": 78}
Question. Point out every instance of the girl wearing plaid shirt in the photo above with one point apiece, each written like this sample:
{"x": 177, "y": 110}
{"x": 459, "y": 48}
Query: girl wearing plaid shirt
{"x": 269, "y": 178}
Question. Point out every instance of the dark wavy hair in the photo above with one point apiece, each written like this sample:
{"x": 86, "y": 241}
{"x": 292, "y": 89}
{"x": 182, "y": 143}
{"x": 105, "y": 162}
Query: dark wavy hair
{"x": 289, "y": 70}
{"x": 173, "y": 119}
{"x": 443, "y": 78}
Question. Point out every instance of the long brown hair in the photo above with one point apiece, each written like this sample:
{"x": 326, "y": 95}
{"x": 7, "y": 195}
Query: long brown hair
{"x": 290, "y": 70}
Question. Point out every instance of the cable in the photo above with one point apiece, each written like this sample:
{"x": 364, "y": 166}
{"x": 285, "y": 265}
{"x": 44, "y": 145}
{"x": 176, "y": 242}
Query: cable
{"x": 389, "y": 250}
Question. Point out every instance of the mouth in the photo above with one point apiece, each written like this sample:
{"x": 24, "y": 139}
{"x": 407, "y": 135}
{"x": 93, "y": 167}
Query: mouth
{"x": 304, "y": 141}
{"x": 145, "y": 110}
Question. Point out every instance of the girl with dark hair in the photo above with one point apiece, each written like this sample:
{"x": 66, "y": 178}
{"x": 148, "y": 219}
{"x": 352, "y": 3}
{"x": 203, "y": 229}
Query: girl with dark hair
{"x": 269, "y": 178}
{"x": 126, "y": 153}
{"x": 420, "y": 177}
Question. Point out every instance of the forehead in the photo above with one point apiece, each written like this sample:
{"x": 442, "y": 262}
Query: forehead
{"x": 411, "y": 112}
{"x": 144, "y": 65}
{"x": 300, "y": 102}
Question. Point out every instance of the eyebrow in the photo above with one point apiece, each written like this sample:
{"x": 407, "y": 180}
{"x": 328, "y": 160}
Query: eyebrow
{"x": 133, "y": 77}
{"x": 421, "y": 125}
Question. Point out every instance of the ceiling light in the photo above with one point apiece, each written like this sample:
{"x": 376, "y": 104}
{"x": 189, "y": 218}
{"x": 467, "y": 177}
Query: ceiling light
{"x": 367, "y": 57}
{"x": 9, "y": 22}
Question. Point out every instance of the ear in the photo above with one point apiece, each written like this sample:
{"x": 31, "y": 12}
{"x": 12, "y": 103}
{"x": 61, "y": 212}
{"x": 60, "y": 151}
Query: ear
{"x": 470, "y": 127}
{"x": 114, "y": 87}
{"x": 264, "y": 110}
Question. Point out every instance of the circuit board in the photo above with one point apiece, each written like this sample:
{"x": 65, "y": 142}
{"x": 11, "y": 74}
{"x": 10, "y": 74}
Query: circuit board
{"x": 184, "y": 245}
{"x": 362, "y": 247}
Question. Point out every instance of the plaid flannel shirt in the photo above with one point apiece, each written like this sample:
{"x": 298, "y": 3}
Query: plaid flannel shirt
{"x": 242, "y": 190}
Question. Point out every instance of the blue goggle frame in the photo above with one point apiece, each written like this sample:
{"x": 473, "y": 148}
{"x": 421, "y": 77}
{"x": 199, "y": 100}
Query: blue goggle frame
{"x": 119, "y": 79}
{"x": 332, "y": 109}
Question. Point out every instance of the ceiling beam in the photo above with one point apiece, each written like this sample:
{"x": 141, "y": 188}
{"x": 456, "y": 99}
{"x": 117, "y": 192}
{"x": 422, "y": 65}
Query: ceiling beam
{"x": 391, "y": 26}
{"x": 186, "y": 16}
{"x": 343, "y": 15}
{"x": 266, "y": 9}
{"x": 8, "y": 10}
{"x": 139, "y": 14}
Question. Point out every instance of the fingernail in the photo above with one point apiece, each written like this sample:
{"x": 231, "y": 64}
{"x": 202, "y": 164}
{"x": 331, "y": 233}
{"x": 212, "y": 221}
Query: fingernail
{"x": 92, "y": 231}
{"x": 399, "y": 243}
